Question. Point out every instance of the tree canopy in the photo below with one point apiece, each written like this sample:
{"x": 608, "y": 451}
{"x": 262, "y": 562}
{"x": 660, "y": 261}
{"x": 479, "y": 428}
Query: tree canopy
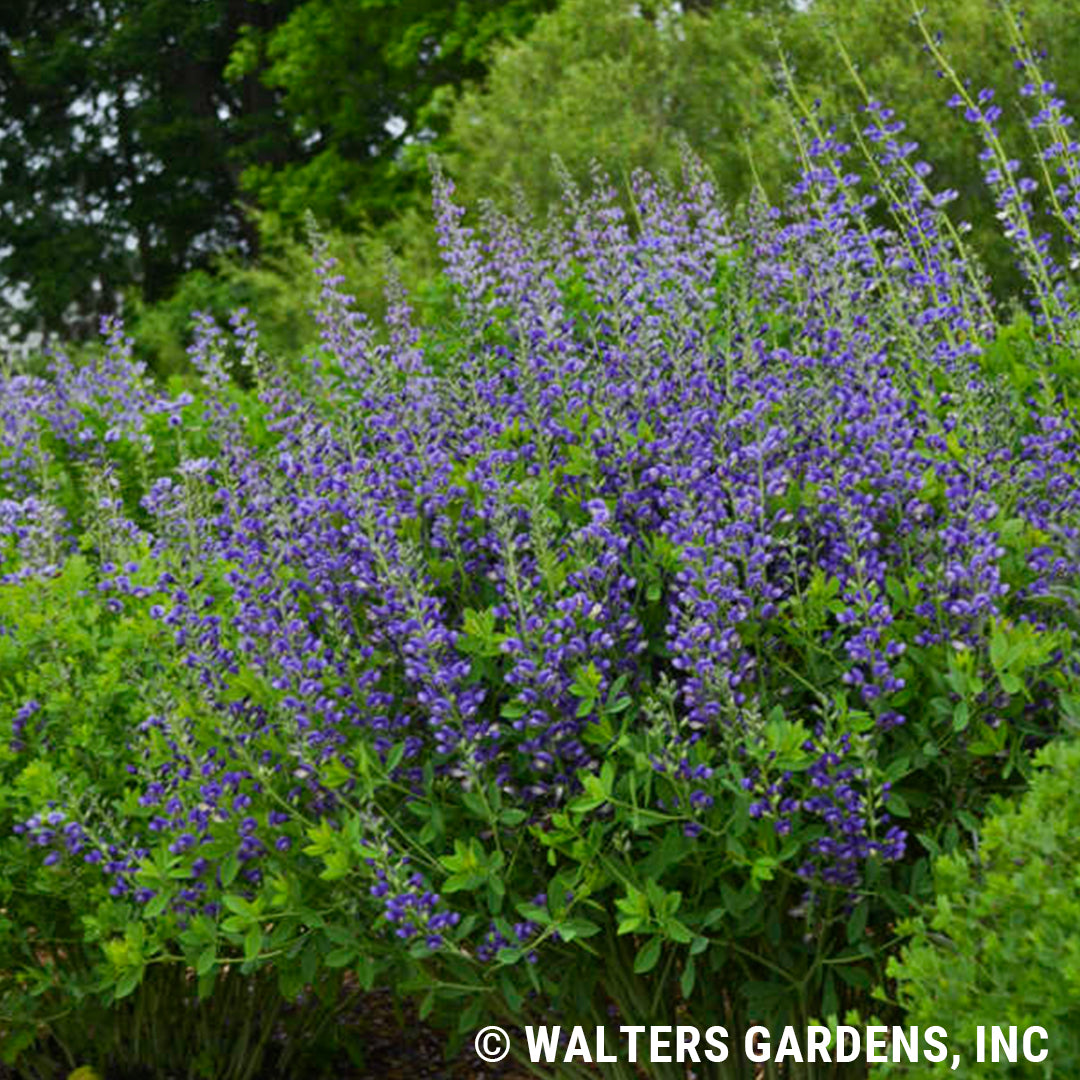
{"x": 123, "y": 144}
{"x": 139, "y": 134}
{"x": 143, "y": 138}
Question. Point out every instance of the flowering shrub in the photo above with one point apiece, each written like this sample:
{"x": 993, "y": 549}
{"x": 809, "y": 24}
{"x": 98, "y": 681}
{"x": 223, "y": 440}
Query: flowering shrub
{"x": 621, "y": 644}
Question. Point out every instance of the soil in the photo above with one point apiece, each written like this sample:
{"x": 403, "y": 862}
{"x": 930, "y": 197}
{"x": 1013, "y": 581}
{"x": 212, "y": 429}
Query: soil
{"x": 412, "y": 1051}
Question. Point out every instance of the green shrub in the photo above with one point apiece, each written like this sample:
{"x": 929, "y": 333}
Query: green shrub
{"x": 1002, "y": 944}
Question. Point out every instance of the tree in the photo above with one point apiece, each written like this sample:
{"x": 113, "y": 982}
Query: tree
{"x": 623, "y": 84}
{"x": 363, "y": 83}
{"x": 620, "y": 82}
{"x": 139, "y": 135}
{"x": 119, "y": 162}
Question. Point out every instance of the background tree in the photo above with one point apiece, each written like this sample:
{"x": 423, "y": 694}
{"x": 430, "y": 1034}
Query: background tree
{"x": 601, "y": 79}
{"x": 139, "y": 135}
{"x": 123, "y": 144}
{"x": 148, "y": 139}
{"x": 623, "y": 84}
{"x": 364, "y": 85}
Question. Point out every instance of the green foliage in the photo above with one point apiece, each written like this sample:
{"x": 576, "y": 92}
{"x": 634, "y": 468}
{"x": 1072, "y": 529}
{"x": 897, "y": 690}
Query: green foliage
{"x": 139, "y": 136}
{"x": 634, "y": 912}
{"x": 609, "y": 82}
{"x": 653, "y": 877}
{"x": 117, "y": 156}
{"x": 1001, "y": 943}
{"x": 283, "y": 287}
{"x": 346, "y": 69}
{"x": 284, "y": 107}
{"x": 165, "y": 329}
{"x": 597, "y": 81}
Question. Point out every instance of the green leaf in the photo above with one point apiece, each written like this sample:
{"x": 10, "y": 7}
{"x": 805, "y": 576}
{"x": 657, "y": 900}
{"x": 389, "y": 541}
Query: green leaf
{"x": 713, "y": 917}
{"x": 229, "y": 870}
{"x": 335, "y": 774}
{"x": 678, "y": 932}
{"x": 127, "y": 982}
{"x": 475, "y": 805}
{"x": 156, "y": 905}
{"x": 1011, "y": 683}
{"x": 239, "y": 906}
{"x": 647, "y": 956}
{"x": 470, "y": 1018}
{"x": 393, "y": 759}
{"x": 577, "y": 928}
{"x": 830, "y": 1004}
{"x": 999, "y": 647}
{"x": 688, "y": 978}
{"x": 338, "y": 958}
{"x": 205, "y": 962}
{"x": 853, "y": 976}
{"x": 463, "y": 882}
{"x": 598, "y": 732}
{"x": 510, "y": 993}
{"x": 856, "y": 927}
{"x": 961, "y": 716}
{"x": 253, "y": 943}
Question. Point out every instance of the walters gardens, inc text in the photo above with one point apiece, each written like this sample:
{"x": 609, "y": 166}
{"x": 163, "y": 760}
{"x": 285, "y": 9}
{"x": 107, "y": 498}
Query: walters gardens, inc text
{"x": 687, "y": 1044}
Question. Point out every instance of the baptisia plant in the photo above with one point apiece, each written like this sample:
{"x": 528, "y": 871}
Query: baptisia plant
{"x": 615, "y": 649}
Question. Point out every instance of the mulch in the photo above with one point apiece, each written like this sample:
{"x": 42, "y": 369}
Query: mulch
{"x": 394, "y": 1050}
